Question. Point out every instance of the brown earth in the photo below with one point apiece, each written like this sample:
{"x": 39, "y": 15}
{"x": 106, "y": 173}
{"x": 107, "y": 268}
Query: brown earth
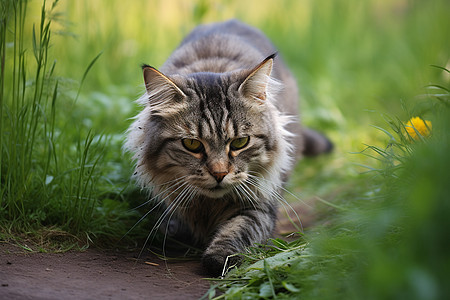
{"x": 97, "y": 274}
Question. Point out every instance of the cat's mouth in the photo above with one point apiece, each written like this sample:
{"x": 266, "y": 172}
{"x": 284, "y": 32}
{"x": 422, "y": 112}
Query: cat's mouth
{"x": 216, "y": 191}
{"x": 218, "y": 188}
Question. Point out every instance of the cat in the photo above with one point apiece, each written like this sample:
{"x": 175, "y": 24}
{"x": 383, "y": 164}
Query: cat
{"x": 218, "y": 137}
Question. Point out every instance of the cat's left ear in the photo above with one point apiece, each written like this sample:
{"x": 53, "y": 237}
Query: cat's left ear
{"x": 163, "y": 96}
{"x": 256, "y": 84}
{"x": 157, "y": 82}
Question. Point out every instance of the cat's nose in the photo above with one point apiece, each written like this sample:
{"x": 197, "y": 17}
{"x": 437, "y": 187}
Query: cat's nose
{"x": 219, "y": 169}
{"x": 219, "y": 176}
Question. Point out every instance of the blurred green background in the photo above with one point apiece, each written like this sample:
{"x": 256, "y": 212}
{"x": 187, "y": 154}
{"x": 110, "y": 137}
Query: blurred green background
{"x": 349, "y": 57}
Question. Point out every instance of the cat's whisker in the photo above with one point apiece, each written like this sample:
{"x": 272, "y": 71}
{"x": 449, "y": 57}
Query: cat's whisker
{"x": 275, "y": 195}
{"x": 169, "y": 210}
{"x": 177, "y": 181}
{"x": 278, "y": 186}
{"x": 285, "y": 204}
{"x": 239, "y": 194}
{"x": 267, "y": 192}
{"x": 161, "y": 218}
{"x": 244, "y": 196}
{"x": 171, "y": 207}
{"x": 194, "y": 191}
{"x": 156, "y": 205}
{"x": 250, "y": 195}
{"x": 262, "y": 188}
{"x": 188, "y": 194}
{"x": 183, "y": 198}
{"x": 236, "y": 193}
{"x": 169, "y": 191}
{"x": 270, "y": 192}
{"x": 178, "y": 201}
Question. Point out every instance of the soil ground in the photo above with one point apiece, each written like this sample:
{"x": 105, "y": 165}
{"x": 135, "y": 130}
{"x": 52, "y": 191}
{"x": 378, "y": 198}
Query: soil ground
{"x": 97, "y": 274}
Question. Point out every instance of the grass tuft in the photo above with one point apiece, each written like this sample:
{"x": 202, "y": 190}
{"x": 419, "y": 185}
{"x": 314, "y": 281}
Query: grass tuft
{"x": 51, "y": 160}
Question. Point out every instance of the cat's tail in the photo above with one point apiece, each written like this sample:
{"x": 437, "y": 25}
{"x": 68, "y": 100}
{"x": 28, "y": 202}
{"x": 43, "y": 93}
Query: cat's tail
{"x": 315, "y": 143}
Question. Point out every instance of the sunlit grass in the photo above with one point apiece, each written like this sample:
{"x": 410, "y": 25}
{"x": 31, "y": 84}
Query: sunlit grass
{"x": 51, "y": 163}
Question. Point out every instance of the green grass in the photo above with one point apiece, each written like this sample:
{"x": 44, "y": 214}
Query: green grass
{"x": 69, "y": 76}
{"x": 52, "y": 161}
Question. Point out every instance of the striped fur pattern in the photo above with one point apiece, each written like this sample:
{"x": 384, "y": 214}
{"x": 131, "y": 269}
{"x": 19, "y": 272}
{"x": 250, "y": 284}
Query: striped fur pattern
{"x": 217, "y": 137}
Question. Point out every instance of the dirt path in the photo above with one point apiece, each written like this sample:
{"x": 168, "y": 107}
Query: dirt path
{"x": 94, "y": 274}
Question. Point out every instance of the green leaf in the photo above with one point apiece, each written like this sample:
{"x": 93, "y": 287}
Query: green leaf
{"x": 290, "y": 287}
{"x": 279, "y": 243}
{"x": 268, "y": 273}
{"x": 266, "y": 290}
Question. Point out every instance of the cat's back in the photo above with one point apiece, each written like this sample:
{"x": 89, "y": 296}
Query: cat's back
{"x": 219, "y": 48}
{"x": 235, "y": 32}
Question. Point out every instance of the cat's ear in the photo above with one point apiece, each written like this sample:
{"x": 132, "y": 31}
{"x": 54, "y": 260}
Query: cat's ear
{"x": 160, "y": 88}
{"x": 256, "y": 84}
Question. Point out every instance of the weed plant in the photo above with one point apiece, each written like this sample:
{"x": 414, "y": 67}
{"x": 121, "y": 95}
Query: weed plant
{"x": 50, "y": 161}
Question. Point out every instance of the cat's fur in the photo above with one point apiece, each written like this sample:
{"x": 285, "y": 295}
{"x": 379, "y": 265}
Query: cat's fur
{"x": 222, "y": 83}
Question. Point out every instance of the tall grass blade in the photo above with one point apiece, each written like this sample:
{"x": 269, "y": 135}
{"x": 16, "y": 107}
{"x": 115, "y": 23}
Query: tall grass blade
{"x": 86, "y": 73}
{"x": 48, "y": 170}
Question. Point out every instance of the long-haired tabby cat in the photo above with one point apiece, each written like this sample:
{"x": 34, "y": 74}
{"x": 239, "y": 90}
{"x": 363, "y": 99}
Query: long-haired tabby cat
{"x": 218, "y": 136}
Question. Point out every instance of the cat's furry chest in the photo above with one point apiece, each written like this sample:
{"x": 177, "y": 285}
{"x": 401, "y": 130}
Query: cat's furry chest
{"x": 204, "y": 215}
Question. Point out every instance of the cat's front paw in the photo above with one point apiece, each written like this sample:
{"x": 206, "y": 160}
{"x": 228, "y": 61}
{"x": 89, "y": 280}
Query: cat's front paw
{"x": 218, "y": 262}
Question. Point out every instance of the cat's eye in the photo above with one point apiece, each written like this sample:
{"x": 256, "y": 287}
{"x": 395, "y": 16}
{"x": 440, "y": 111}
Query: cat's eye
{"x": 192, "y": 145}
{"x": 239, "y": 143}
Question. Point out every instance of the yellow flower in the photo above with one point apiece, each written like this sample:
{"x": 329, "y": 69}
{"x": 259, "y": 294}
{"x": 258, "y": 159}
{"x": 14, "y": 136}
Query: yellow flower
{"x": 416, "y": 126}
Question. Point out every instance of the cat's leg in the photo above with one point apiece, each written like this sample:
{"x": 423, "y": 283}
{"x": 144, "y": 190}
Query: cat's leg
{"x": 235, "y": 235}
{"x": 175, "y": 229}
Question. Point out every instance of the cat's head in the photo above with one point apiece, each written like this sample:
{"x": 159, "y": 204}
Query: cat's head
{"x": 210, "y": 132}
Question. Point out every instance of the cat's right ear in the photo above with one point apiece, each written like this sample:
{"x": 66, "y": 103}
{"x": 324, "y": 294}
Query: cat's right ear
{"x": 256, "y": 84}
{"x": 160, "y": 88}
